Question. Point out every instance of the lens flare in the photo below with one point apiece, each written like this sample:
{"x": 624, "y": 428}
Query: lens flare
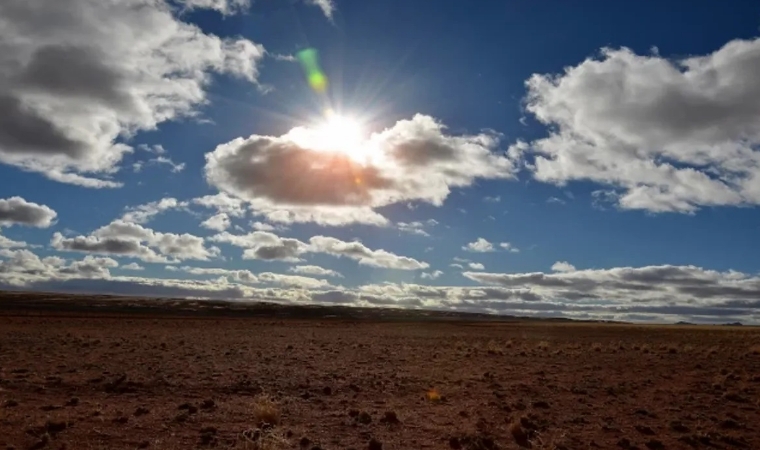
{"x": 317, "y": 79}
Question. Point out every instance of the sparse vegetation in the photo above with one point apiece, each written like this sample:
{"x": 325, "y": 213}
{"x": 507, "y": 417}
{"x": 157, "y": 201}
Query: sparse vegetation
{"x": 266, "y": 413}
{"x": 364, "y": 383}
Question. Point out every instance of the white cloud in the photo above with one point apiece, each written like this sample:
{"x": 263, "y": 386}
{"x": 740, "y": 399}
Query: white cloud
{"x": 144, "y": 213}
{"x": 222, "y": 203}
{"x": 509, "y": 247}
{"x": 82, "y": 76}
{"x": 261, "y": 226}
{"x": 17, "y": 211}
{"x": 327, "y": 6}
{"x": 431, "y": 275}
{"x": 315, "y": 270}
{"x": 132, "y": 266}
{"x": 269, "y": 246}
{"x": 476, "y": 266}
{"x": 264, "y": 245}
{"x": 495, "y": 199}
{"x": 223, "y": 6}
{"x": 289, "y": 179}
{"x": 417, "y": 227}
{"x": 456, "y": 266}
{"x": 481, "y": 245}
{"x": 656, "y": 293}
{"x": 364, "y": 255}
{"x": 563, "y": 266}
{"x": 10, "y": 243}
{"x": 296, "y": 281}
{"x": 134, "y": 240}
{"x": 665, "y": 135}
{"x": 218, "y": 222}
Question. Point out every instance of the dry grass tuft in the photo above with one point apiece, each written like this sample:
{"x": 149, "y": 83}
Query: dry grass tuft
{"x": 543, "y": 345}
{"x": 597, "y": 347}
{"x": 265, "y": 411}
{"x": 493, "y": 348}
{"x": 262, "y": 440}
{"x": 755, "y": 350}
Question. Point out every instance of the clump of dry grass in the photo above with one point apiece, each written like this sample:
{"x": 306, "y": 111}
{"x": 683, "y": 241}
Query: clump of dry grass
{"x": 493, "y": 348}
{"x": 265, "y": 411}
{"x": 597, "y": 347}
{"x": 755, "y": 349}
{"x": 262, "y": 440}
{"x": 543, "y": 345}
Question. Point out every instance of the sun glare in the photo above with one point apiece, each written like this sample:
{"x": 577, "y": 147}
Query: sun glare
{"x": 340, "y": 134}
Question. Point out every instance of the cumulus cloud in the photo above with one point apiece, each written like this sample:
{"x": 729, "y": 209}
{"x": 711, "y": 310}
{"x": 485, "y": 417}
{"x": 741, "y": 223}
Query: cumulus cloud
{"x": 218, "y": 222}
{"x": 292, "y": 178}
{"x": 363, "y": 255}
{"x": 476, "y": 266}
{"x": 509, "y": 247}
{"x": 327, "y": 6}
{"x": 134, "y": 240}
{"x": 481, "y": 245}
{"x": 417, "y": 227}
{"x": 144, "y": 213}
{"x": 431, "y": 275}
{"x": 132, "y": 266}
{"x": 315, "y": 270}
{"x": 222, "y": 203}
{"x": 268, "y": 246}
{"x": 21, "y": 267}
{"x": 264, "y": 245}
{"x": 82, "y": 76}
{"x": 662, "y": 293}
{"x": 563, "y": 266}
{"x": 17, "y": 211}
{"x": 664, "y": 135}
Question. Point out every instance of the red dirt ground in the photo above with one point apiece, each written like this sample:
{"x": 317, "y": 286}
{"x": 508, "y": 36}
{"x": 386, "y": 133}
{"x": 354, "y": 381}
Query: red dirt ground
{"x": 138, "y": 381}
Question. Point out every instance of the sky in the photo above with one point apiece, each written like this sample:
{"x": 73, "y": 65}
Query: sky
{"x": 506, "y": 157}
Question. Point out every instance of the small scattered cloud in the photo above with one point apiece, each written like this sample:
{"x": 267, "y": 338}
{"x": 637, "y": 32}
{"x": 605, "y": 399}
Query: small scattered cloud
{"x": 434, "y": 275}
{"x": 132, "y": 266}
{"x": 563, "y": 266}
{"x": 476, "y": 266}
{"x": 481, "y": 245}
{"x": 217, "y": 222}
{"x": 509, "y": 247}
{"x": 315, "y": 270}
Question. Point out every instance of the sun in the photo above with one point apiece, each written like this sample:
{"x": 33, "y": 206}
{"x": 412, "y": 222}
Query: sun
{"x": 340, "y": 134}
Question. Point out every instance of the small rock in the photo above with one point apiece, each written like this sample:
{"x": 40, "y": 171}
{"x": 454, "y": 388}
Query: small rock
{"x": 390, "y": 417}
{"x": 304, "y": 442}
{"x": 207, "y": 404}
{"x": 327, "y": 390}
{"x": 374, "y": 444}
{"x": 364, "y": 418}
{"x": 654, "y": 444}
{"x": 54, "y": 427}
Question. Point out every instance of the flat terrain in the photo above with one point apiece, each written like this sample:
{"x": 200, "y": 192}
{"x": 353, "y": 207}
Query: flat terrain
{"x": 91, "y": 381}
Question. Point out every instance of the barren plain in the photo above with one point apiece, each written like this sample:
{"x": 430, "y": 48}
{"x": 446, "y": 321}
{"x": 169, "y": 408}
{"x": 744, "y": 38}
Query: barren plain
{"x": 89, "y": 379}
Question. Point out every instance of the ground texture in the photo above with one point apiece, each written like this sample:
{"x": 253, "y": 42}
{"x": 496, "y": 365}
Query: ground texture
{"x": 142, "y": 381}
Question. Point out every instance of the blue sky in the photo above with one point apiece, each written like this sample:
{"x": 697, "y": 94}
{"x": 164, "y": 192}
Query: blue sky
{"x": 511, "y": 157}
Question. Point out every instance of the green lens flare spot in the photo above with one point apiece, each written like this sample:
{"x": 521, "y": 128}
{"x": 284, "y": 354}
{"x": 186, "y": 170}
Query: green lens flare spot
{"x": 318, "y": 81}
{"x": 309, "y": 59}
